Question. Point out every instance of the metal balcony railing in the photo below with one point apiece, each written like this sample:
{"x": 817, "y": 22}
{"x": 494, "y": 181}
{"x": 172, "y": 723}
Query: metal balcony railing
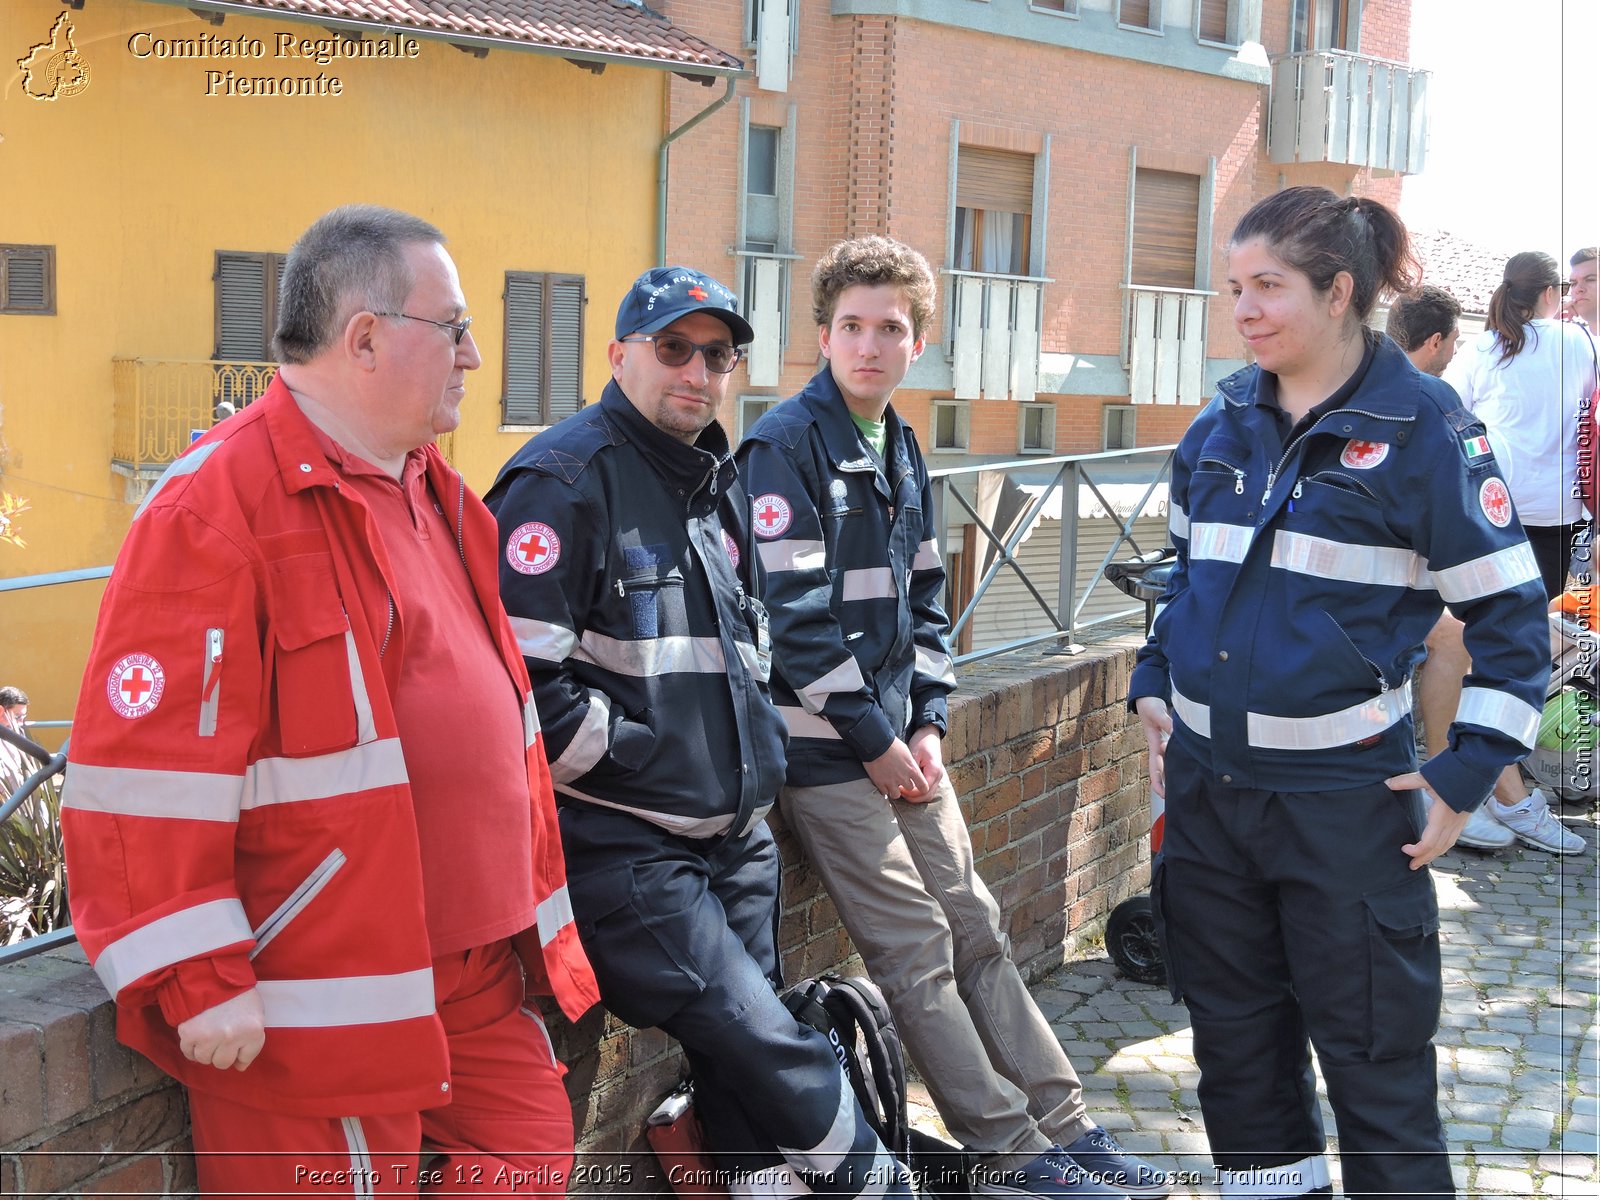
{"x": 1337, "y": 107}
{"x": 159, "y": 405}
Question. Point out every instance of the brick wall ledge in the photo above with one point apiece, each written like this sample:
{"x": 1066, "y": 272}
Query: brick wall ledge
{"x": 1050, "y": 768}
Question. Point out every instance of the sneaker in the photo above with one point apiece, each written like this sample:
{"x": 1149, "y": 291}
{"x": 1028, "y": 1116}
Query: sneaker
{"x": 1533, "y": 822}
{"x": 1483, "y": 832}
{"x": 1051, "y": 1174}
{"x": 1097, "y": 1153}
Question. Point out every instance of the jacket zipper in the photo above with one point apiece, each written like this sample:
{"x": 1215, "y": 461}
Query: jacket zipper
{"x": 211, "y": 684}
{"x": 1272, "y": 475}
{"x": 297, "y": 900}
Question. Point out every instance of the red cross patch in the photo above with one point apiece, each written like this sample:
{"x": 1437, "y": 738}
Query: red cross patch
{"x": 1363, "y": 456}
{"x": 533, "y": 548}
{"x": 772, "y": 515}
{"x": 1495, "y": 501}
{"x": 732, "y": 547}
{"x": 134, "y": 685}
{"x": 697, "y": 292}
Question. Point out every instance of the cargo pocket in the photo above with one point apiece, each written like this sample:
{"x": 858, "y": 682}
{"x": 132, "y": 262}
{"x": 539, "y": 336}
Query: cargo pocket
{"x": 1404, "y": 987}
{"x": 1158, "y": 910}
{"x": 633, "y": 937}
{"x": 313, "y": 696}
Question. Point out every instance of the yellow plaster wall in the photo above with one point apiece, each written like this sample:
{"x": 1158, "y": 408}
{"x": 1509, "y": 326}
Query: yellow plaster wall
{"x": 525, "y": 162}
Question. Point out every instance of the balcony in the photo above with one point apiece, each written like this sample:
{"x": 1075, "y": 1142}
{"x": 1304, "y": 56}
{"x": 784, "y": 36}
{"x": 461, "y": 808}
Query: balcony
{"x": 1164, "y": 344}
{"x": 766, "y": 291}
{"x": 995, "y": 335}
{"x": 161, "y": 405}
{"x": 1331, "y": 106}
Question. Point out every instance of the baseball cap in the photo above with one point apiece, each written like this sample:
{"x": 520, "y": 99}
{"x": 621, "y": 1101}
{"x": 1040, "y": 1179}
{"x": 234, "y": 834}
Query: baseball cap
{"x": 662, "y": 295}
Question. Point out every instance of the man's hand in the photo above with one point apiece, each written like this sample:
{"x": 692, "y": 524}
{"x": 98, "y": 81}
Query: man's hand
{"x": 927, "y": 750}
{"x": 1157, "y": 722}
{"x": 229, "y": 1035}
{"x": 1444, "y": 823}
{"x": 895, "y": 773}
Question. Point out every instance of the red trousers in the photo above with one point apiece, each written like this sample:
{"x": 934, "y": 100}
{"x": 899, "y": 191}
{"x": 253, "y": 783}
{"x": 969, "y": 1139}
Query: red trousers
{"x": 506, "y": 1129}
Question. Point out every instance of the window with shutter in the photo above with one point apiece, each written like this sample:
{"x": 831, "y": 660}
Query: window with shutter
{"x": 1213, "y": 22}
{"x": 28, "y": 280}
{"x": 1140, "y": 14}
{"x": 246, "y": 291}
{"x": 1057, "y": 6}
{"x": 1166, "y": 228}
{"x": 994, "y": 210}
{"x": 1325, "y": 25}
{"x": 544, "y": 347}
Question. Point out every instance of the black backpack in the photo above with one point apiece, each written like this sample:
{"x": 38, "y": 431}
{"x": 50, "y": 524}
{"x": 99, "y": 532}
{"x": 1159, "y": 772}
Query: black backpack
{"x": 855, "y": 1018}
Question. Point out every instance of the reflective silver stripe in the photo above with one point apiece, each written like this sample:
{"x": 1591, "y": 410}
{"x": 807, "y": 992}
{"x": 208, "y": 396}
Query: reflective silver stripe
{"x": 285, "y": 780}
{"x": 692, "y": 827}
{"x": 751, "y": 658}
{"x": 826, "y": 1156}
{"x": 361, "y": 1172}
{"x": 1270, "y": 1183}
{"x": 1498, "y": 710}
{"x": 553, "y": 914}
{"x": 644, "y": 658}
{"x": 187, "y": 465}
{"x": 1177, "y": 520}
{"x": 542, "y": 640}
{"x": 140, "y": 792}
{"x": 846, "y": 677}
{"x": 927, "y": 556}
{"x": 1487, "y": 576}
{"x": 544, "y": 1032}
{"x": 804, "y": 724}
{"x": 366, "y": 728}
{"x": 530, "y": 722}
{"x": 353, "y": 1000}
{"x": 868, "y": 583}
{"x": 937, "y": 665}
{"x": 777, "y": 1182}
{"x": 297, "y": 900}
{"x": 793, "y": 555}
{"x": 1326, "y": 732}
{"x": 1380, "y": 566}
{"x": 588, "y": 746}
{"x": 1223, "y": 543}
{"x": 187, "y": 933}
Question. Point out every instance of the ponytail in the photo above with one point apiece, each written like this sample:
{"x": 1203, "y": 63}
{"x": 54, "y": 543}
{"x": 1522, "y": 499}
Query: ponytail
{"x": 1516, "y": 300}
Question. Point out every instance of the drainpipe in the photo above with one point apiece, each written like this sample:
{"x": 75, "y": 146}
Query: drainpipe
{"x": 661, "y": 170}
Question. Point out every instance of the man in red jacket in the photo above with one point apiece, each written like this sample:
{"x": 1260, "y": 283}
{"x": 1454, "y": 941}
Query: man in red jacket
{"x": 318, "y": 897}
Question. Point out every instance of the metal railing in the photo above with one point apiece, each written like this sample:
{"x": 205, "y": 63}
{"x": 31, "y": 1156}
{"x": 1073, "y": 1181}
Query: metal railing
{"x": 1337, "y": 106}
{"x": 1005, "y": 503}
{"x": 159, "y": 404}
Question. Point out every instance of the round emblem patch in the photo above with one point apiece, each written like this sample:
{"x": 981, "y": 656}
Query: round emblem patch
{"x": 1363, "y": 456}
{"x": 1496, "y": 502}
{"x": 732, "y": 547}
{"x": 533, "y": 548}
{"x": 772, "y": 515}
{"x": 134, "y": 685}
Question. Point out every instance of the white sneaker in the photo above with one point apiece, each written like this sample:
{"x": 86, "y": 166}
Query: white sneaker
{"x": 1533, "y": 822}
{"x": 1483, "y": 832}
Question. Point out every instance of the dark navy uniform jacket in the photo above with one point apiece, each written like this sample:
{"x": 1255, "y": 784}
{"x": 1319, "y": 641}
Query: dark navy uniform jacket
{"x": 854, "y": 582}
{"x": 627, "y": 573}
{"x": 1309, "y": 574}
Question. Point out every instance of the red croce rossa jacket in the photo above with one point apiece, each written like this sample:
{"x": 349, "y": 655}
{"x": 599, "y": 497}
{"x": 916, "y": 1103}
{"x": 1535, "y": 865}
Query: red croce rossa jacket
{"x": 237, "y": 810}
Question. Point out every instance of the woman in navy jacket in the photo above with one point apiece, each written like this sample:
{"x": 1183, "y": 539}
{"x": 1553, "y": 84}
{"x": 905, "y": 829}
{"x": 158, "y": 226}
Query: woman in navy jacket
{"x": 1326, "y": 505}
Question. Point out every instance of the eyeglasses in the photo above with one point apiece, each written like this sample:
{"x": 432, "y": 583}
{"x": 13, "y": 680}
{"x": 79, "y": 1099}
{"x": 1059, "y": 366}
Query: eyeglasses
{"x": 459, "y": 328}
{"x": 1565, "y": 285}
{"x": 674, "y": 351}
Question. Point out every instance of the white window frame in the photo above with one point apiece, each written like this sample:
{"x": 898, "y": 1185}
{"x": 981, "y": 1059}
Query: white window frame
{"x": 963, "y": 426}
{"x": 1070, "y": 9}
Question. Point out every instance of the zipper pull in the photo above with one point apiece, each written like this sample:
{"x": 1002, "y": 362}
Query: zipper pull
{"x": 1295, "y": 495}
{"x": 1238, "y": 482}
{"x": 621, "y": 592}
{"x": 1272, "y": 477}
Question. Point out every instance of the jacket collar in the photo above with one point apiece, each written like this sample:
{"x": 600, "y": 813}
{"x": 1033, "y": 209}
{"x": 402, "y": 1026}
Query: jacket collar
{"x": 684, "y": 467}
{"x": 1393, "y": 387}
{"x": 843, "y": 440}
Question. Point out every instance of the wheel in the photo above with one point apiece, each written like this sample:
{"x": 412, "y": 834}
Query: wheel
{"x": 1132, "y": 942}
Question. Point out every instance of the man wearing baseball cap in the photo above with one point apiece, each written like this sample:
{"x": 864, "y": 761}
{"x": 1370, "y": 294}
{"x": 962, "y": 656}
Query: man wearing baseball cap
{"x": 629, "y": 577}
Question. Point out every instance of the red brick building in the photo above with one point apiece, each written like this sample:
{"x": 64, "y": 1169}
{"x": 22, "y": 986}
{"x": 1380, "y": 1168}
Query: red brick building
{"x": 1071, "y": 167}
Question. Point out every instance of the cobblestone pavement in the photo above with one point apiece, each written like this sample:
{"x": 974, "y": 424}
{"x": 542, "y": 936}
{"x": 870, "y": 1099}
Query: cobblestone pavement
{"x": 1519, "y": 1043}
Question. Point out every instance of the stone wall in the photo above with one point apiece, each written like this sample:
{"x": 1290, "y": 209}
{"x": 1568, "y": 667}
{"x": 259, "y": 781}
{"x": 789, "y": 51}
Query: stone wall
{"x": 1051, "y": 772}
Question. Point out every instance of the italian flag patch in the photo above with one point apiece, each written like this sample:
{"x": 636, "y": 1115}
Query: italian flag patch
{"x": 1476, "y": 447}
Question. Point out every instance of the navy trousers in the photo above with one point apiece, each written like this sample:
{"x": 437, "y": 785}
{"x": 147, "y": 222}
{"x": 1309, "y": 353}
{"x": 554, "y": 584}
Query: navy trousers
{"x": 1293, "y": 917}
{"x": 682, "y": 935}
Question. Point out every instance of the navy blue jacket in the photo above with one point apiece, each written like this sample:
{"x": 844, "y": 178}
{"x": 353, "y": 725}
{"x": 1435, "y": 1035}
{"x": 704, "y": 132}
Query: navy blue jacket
{"x": 628, "y": 576}
{"x": 1308, "y": 577}
{"x": 854, "y": 582}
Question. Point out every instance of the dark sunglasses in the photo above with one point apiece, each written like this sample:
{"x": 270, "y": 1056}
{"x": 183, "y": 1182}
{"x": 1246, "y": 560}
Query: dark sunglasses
{"x": 673, "y": 351}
